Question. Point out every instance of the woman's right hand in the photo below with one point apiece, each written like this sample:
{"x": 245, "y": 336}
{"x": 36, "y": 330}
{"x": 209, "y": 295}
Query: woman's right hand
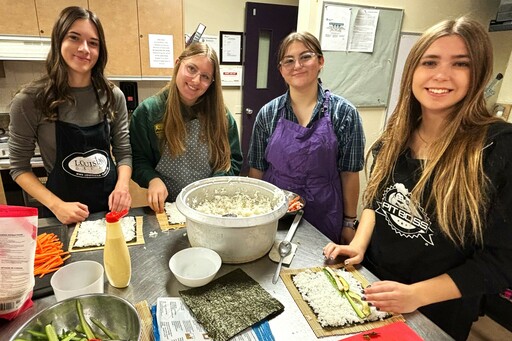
{"x": 355, "y": 254}
{"x": 157, "y": 193}
{"x": 71, "y": 212}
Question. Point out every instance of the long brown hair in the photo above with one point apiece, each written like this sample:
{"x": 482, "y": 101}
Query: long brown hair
{"x": 211, "y": 112}
{"x": 53, "y": 88}
{"x": 454, "y": 167}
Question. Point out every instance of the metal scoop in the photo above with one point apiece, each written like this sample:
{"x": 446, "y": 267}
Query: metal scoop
{"x": 285, "y": 247}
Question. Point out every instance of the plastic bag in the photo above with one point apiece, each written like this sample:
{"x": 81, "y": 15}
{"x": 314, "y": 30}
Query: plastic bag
{"x": 18, "y": 234}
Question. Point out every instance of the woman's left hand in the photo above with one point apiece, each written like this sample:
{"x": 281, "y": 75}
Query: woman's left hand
{"x": 120, "y": 199}
{"x": 392, "y": 297}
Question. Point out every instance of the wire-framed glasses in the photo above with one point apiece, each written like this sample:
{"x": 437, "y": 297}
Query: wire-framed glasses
{"x": 192, "y": 71}
{"x": 304, "y": 59}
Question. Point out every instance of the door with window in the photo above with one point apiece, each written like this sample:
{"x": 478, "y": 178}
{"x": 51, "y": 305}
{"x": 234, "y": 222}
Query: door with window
{"x": 265, "y": 26}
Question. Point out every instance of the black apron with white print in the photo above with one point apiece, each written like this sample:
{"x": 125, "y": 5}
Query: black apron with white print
{"x": 84, "y": 170}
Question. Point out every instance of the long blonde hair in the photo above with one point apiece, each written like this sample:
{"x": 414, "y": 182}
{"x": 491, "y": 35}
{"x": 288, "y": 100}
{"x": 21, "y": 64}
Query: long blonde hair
{"x": 454, "y": 167}
{"x": 211, "y": 113}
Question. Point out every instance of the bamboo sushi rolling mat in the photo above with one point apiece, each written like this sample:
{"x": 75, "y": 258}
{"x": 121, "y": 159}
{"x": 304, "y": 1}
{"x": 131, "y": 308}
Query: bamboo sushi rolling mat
{"x": 309, "y": 315}
{"x": 139, "y": 238}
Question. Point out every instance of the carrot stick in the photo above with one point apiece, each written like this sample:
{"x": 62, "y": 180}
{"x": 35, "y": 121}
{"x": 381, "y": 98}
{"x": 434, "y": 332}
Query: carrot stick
{"x": 50, "y": 255}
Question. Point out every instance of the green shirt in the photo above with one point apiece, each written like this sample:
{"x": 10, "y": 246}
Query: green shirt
{"x": 146, "y": 121}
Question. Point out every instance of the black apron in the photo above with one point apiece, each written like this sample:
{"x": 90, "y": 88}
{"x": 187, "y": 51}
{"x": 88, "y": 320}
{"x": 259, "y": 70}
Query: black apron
{"x": 84, "y": 170}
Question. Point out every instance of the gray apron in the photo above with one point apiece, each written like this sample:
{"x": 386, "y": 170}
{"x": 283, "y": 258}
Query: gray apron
{"x": 191, "y": 166}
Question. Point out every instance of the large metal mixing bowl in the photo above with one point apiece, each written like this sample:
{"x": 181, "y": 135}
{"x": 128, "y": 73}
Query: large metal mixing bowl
{"x": 117, "y": 314}
{"x": 235, "y": 239}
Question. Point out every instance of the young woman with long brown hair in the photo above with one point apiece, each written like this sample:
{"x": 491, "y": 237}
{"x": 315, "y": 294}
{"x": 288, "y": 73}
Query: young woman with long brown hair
{"x": 79, "y": 120}
{"x": 436, "y": 229}
{"x": 185, "y": 132}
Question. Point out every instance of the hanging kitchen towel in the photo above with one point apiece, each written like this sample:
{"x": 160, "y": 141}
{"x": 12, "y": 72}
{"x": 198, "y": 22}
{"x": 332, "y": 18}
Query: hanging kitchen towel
{"x": 230, "y": 304}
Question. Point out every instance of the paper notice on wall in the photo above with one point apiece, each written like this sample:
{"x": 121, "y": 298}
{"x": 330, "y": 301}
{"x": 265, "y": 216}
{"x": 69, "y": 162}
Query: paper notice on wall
{"x": 362, "y": 36}
{"x": 161, "y": 51}
{"x": 231, "y": 75}
{"x": 213, "y": 41}
{"x": 335, "y": 27}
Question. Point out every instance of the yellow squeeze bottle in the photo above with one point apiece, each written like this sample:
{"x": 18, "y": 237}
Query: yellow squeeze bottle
{"x": 116, "y": 257}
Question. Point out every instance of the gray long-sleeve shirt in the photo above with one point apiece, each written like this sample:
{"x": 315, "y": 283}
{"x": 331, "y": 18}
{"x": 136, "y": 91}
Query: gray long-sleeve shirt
{"x": 28, "y": 126}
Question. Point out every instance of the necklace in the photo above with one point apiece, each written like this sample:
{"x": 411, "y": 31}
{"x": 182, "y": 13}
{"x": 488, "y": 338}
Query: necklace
{"x": 421, "y": 138}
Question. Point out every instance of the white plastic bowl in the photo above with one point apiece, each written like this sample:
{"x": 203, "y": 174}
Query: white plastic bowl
{"x": 235, "y": 239}
{"x": 195, "y": 266}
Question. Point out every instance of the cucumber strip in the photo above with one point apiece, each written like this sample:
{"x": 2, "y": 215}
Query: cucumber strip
{"x": 110, "y": 334}
{"x": 87, "y": 329}
{"x": 354, "y": 306}
{"x": 51, "y": 333}
{"x": 69, "y": 337}
{"x": 340, "y": 286}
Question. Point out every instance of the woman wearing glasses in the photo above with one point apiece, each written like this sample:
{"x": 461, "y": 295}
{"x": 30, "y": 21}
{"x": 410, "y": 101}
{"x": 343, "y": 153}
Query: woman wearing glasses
{"x": 184, "y": 133}
{"x": 311, "y": 141}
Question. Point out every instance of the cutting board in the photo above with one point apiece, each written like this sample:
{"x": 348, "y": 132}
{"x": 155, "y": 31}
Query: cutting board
{"x": 42, "y": 286}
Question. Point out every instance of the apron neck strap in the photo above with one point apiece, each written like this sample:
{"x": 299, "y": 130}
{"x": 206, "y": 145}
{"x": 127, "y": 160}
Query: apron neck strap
{"x": 325, "y": 104}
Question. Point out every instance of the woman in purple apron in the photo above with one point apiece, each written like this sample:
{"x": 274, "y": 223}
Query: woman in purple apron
{"x": 80, "y": 122}
{"x": 310, "y": 141}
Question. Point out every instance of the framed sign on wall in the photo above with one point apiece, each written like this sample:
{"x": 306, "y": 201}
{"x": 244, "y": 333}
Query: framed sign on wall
{"x": 231, "y": 47}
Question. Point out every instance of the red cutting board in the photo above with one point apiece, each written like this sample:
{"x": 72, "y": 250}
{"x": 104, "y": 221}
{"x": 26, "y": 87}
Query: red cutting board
{"x": 391, "y": 332}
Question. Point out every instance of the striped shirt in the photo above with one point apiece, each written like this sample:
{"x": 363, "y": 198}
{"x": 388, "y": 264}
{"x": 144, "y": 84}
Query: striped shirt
{"x": 346, "y": 123}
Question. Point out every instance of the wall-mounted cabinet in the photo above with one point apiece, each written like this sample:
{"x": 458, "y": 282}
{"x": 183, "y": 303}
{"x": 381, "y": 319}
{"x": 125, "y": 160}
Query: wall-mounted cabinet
{"x": 32, "y": 17}
{"x": 48, "y": 11}
{"x": 127, "y": 31}
{"x": 127, "y": 25}
{"x": 19, "y": 19}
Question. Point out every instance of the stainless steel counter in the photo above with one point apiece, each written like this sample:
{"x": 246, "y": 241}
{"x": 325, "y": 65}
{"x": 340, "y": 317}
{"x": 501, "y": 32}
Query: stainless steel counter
{"x": 151, "y": 278}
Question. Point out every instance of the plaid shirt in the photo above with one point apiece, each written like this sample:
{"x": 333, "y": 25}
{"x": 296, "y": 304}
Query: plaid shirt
{"x": 346, "y": 123}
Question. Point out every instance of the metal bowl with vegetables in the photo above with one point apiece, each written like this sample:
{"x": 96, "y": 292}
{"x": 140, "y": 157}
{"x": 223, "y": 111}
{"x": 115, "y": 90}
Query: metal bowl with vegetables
{"x": 93, "y": 316}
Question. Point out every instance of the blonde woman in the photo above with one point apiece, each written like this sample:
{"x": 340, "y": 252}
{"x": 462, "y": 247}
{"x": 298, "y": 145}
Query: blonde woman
{"x": 437, "y": 225}
{"x": 184, "y": 133}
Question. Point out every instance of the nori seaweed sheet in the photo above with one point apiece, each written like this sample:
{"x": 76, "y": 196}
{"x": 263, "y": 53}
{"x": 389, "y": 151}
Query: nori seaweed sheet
{"x": 230, "y": 304}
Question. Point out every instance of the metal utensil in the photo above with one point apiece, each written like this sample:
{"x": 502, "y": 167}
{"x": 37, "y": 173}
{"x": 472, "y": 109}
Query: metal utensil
{"x": 285, "y": 247}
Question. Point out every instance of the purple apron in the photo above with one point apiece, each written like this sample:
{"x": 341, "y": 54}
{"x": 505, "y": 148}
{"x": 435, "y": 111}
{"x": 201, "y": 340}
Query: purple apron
{"x": 304, "y": 160}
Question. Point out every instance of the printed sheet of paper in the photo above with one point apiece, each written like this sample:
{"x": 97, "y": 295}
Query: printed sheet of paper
{"x": 161, "y": 51}
{"x": 362, "y": 36}
{"x": 175, "y": 323}
{"x": 335, "y": 27}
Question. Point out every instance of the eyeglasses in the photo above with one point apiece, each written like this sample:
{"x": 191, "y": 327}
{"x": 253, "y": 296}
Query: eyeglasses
{"x": 192, "y": 71}
{"x": 304, "y": 59}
